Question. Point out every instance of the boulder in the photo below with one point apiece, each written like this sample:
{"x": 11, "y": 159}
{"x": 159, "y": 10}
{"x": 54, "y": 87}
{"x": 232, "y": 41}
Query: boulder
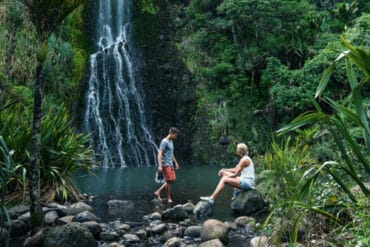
{"x": 193, "y": 231}
{"x": 130, "y": 239}
{"x": 141, "y": 233}
{"x": 259, "y": 241}
{"x": 119, "y": 207}
{"x": 174, "y": 242}
{"x": 214, "y": 229}
{"x": 152, "y": 217}
{"x": 94, "y": 227}
{"x": 120, "y": 204}
{"x": 36, "y": 240}
{"x": 212, "y": 243}
{"x": 17, "y": 228}
{"x": 71, "y": 235}
{"x": 248, "y": 202}
{"x": 65, "y": 220}
{"x": 85, "y": 216}
{"x": 109, "y": 236}
{"x": 202, "y": 210}
{"x": 159, "y": 229}
{"x": 178, "y": 212}
{"x": 244, "y": 220}
{"x": 26, "y": 218}
{"x": 77, "y": 208}
{"x": 16, "y": 211}
{"x": 189, "y": 207}
{"x": 51, "y": 218}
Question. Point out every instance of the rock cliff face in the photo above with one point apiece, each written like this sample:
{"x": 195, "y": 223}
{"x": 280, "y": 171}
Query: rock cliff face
{"x": 169, "y": 88}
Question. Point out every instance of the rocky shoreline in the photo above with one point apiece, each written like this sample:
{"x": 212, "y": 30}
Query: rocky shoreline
{"x": 181, "y": 225}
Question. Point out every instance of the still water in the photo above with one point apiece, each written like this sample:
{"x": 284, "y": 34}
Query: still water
{"x": 137, "y": 185}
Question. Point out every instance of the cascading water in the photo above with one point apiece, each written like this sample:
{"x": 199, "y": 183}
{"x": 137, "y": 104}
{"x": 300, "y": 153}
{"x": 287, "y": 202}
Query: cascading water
{"x": 114, "y": 113}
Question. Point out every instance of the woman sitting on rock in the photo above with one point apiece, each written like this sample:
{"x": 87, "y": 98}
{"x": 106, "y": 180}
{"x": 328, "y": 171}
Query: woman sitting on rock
{"x": 230, "y": 176}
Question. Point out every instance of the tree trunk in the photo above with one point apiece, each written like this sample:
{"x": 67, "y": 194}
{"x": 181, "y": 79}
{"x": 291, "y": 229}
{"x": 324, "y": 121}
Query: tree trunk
{"x": 34, "y": 171}
{"x": 10, "y": 47}
{"x": 233, "y": 31}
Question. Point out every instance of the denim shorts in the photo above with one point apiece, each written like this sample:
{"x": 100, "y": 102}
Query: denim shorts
{"x": 247, "y": 183}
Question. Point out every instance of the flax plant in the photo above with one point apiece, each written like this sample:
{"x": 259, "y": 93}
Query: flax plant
{"x": 338, "y": 118}
{"x": 6, "y": 174}
{"x": 6, "y": 164}
{"x": 63, "y": 151}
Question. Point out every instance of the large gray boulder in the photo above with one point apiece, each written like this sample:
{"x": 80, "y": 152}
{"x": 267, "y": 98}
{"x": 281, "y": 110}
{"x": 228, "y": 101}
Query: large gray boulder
{"x": 212, "y": 243}
{"x": 174, "y": 242}
{"x": 85, "y": 216}
{"x": 17, "y": 228}
{"x": 193, "y": 231}
{"x": 214, "y": 229}
{"x": 18, "y": 210}
{"x": 77, "y": 208}
{"x": 178, "y": 212}
{"x": 71, "y": 235}
{"x": 51, "y": 218}
{"x": 248, "y": 202}
{"x": 202, "y": 210}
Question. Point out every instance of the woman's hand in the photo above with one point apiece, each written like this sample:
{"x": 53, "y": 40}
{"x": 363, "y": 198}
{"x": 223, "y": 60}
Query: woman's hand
{"x": 221, "y": 172}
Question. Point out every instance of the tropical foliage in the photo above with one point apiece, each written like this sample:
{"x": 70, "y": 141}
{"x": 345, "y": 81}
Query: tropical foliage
{"x": 63, "y": 152}
{"x": 266, "y": 56}
{"x": 346, "y": 202}
{"x": 7, "y": 172}
{"x": 256, "y": 64}
{"x": 46, "y": 17}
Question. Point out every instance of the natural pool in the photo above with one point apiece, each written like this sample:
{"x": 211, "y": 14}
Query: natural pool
{"x": 137, "y": 185}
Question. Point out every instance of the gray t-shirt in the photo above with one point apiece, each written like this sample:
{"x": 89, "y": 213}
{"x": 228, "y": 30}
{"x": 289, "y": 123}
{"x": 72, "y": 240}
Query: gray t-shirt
{"x": 167, "y": 147}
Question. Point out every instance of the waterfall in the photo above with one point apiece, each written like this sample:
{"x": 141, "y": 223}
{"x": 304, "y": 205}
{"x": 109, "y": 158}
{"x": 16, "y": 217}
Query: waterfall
{"x": 114, "y": 112}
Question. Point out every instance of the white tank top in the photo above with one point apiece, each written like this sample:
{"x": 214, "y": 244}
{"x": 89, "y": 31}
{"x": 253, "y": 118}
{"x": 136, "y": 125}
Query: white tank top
{"x": 248, "y": 172}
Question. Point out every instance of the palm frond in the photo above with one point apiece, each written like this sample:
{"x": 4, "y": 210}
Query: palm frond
{"x": 302, "y": 120}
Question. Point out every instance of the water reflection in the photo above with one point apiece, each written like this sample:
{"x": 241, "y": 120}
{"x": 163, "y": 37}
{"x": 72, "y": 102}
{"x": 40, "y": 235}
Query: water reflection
{"x": 137, "y": 185}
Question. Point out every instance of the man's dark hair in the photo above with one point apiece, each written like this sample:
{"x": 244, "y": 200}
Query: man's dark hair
{"x": 174, "y": 130}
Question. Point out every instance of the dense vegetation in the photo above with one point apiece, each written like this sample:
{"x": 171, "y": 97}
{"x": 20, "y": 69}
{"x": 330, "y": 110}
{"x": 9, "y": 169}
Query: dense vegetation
{"x": 45, "y": 150}
{"x": 258, "y": 65}
{"x": 270, "y": 73}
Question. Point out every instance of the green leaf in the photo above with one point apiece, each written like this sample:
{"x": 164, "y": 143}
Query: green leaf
{"x": 358, "y": 56}
{"x": 296, "y": 227}
{"x": 324, "y": 80}
{"x": 319, "y": 210}
{"x": 302, "y": 120}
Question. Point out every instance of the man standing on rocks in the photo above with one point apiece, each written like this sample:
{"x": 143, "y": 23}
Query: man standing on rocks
{"x": 166, "y": 158}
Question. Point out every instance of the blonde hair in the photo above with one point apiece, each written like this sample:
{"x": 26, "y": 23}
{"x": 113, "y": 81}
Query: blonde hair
{"x": 242, "y": 148}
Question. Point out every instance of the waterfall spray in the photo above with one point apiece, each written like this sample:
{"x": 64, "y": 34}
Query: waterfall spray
{"x": 114, "y": 113}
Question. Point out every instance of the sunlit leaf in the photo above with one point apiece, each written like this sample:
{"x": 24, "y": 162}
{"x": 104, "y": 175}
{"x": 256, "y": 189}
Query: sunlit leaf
{"x": 302, "y": 120}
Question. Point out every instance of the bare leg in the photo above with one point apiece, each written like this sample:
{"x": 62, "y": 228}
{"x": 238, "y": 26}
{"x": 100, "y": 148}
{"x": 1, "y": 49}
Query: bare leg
{"x": 168, "y": 189}
{"x": 235, "y": 182}
{"x": 157, "y": 193}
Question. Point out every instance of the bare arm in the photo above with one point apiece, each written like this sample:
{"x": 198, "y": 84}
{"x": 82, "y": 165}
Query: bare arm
{"x": 229, "y": 169}
{"x": 159, "y": 158}
{"x": 233, "y": 172}
{"x": 177, "y": 164}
